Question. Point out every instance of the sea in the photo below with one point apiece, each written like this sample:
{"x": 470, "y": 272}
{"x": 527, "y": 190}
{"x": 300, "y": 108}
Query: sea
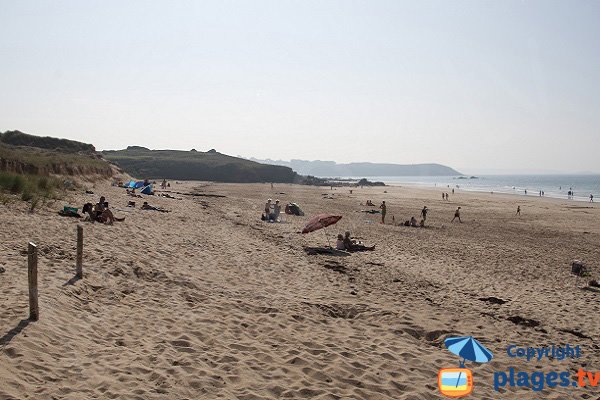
{"x": 554, "y": 186}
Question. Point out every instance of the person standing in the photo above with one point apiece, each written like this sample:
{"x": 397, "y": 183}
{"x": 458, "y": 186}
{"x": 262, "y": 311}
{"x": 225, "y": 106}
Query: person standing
{"x": 457, "y": 215}
{"x": 383, "y": 211}
{"x": 591, "y": 198}
{"x": 518, "y": 210}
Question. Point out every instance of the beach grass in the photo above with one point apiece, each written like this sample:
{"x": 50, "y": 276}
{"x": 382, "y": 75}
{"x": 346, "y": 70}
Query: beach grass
{"x": 29, "y": 188}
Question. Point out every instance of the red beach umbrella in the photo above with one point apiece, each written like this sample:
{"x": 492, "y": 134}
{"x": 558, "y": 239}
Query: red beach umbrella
{"x": 321, "y": 221}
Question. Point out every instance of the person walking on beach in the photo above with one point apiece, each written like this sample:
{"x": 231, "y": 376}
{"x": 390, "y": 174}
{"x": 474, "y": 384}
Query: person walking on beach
{"x": 443, "y": 196}
{"x": 424, "y": 213}
{"x": 591, "y": 198}
{"x": 457, "y": 215}
{"x": 383, "y": 211}
{"x": 518, "y": 210}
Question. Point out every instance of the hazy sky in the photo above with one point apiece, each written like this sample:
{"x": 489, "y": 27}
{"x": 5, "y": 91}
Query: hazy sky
{"x": 476, "y": 85}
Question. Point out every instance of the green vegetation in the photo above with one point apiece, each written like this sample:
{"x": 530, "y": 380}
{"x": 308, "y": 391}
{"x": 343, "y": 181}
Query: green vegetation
{"x": 37, "y": 161}
{"x": 29, "y": 166}
{"x": 17, "y": 138}
{"x": 195, "y": 165}
{"x": 29, "y": 188}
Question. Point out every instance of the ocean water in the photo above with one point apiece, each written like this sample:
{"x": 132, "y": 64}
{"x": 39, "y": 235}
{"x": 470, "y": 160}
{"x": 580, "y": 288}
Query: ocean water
{"x": 555, "y": 186}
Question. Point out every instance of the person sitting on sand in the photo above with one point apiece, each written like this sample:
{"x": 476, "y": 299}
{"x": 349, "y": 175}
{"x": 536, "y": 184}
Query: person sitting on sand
{"x": 274, "y": 216}
{"x": 424, "y": 213}
{"x": 88, "y": 208}
{"x": 413, "y": 222}
{"x": 339, "y": 244}
{"x": 370, "y": 203}
{"x": 353, "y": 245}
{"x": 457, "y": 215}
{"x": 102, "y": 213}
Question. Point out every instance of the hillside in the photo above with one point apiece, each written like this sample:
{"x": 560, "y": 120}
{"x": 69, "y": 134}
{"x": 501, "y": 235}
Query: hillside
{"x": 17, "y": 138}
{"x": 33, "y": 155}
{"x": 332, "y": 169}
{"x": 195, "y": 165}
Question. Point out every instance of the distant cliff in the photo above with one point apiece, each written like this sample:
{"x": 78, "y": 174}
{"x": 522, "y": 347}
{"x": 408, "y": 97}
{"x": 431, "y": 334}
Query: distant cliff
{"x": 332, "y": 169}
{"x": 196, "y": 165}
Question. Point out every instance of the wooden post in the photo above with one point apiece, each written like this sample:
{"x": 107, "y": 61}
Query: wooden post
{"x": 32, "y": 259}
{"x": 79, "y": 262}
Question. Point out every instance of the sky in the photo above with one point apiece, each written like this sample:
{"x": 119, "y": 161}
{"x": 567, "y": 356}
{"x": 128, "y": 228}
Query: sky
{"x": 480, "y": 86}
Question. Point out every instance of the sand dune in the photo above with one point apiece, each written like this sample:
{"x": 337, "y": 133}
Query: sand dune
{"x": 209, "y": 302}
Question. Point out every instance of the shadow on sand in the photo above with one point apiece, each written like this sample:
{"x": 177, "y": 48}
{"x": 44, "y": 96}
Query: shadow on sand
{"x": 4, "y": 340}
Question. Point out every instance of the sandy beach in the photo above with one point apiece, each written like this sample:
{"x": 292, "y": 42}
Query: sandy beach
{"x": 209, "y": 302}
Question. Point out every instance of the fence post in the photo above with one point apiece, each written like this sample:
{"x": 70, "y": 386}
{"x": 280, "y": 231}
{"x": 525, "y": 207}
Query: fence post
{"x": 79, "y": 262}
{"x": 32, "y": 259}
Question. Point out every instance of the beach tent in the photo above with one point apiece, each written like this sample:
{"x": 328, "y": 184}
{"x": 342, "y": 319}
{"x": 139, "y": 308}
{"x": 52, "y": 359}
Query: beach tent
{"x": 130, "y": 184}
{"x": 147, "y": 190}
{"x": 139, "y": 184}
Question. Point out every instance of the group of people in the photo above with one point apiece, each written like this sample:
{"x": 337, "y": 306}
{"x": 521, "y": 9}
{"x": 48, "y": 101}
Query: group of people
{"x": 413, "y": 221}
{"x": 382, "y": 207}
{"x": 271, "y": 211}
{"x": 445, "y": 196}
{"x": 99, "y": 212}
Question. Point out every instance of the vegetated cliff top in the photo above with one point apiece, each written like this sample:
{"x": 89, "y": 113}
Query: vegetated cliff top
{"x": 195, "y": 165}
{"x": 17, "y": 138}
{"x": 28, "y": 154}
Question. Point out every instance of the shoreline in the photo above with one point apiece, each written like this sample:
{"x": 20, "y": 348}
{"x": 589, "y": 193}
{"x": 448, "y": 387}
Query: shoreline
{"x": 482, "y": 191}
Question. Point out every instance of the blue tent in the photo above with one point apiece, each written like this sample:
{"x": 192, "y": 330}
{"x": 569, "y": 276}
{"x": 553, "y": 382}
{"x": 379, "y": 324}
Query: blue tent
{"x": 147, "y": 190}
{"x": 139, "y": 184}
{"x": 130, "y": 184}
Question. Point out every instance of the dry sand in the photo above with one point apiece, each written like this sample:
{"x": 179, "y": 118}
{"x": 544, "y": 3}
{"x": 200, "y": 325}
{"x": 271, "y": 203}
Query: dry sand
{"x": 209, "y": 302}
